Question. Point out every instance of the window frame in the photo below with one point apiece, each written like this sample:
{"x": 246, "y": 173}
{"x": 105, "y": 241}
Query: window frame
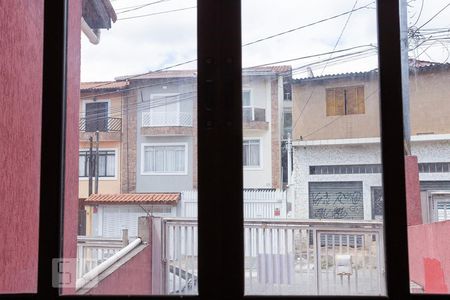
{"x": 116, "y": 160}
{"x": 260, "y": 166}
{"x": 186, "y": 157}
{"x": 220, "y": 135}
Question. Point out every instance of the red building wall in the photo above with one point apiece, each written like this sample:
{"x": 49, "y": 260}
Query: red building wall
{"x": 133, "y": 278}
{"x": 21, "y": 33}
{"x": 429, "y": 256}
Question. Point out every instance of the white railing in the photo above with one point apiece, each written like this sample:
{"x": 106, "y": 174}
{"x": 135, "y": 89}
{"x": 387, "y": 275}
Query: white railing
{"x": 290, "y": 257}
{"x": 92, "y": 251}
{"x": 257, "y": 204}
{"x": 158, "y": 119}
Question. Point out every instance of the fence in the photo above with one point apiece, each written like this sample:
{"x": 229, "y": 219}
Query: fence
{"x": 93, "y": 251}
{"x": 271, "y": 204}
{"x": 290, "y": 257}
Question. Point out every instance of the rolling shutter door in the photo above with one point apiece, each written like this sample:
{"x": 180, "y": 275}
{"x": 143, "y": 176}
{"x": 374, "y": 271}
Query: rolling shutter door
{"x": 336, "y": 200}
{"x": 434, "y": 185}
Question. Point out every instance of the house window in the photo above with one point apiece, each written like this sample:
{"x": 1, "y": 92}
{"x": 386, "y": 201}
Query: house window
{"x": 164, "y": 159}
{"x": 251, "y": 153}
{"x": 96, "y": 116}
{"x": 247, "y": 108}
{"x": 106, "y": 163}
{"x": 345, "y": 101}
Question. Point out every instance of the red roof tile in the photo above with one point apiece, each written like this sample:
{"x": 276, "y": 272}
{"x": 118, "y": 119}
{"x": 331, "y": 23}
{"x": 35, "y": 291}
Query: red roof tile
{"x": 104, "y": 85}
{"x": 148, "y": 198}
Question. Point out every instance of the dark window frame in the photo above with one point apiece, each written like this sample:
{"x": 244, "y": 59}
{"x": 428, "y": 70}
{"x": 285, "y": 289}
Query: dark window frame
{"x": 220, "y": 136}
{"x": 102, "y": 154}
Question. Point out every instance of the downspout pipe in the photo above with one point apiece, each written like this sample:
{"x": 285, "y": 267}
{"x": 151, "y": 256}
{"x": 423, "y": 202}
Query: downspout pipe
{"x": 92, "y": 34}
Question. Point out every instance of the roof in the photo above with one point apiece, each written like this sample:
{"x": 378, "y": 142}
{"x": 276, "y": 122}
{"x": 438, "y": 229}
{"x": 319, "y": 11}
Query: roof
{"x": 161, "y": 75}
{"x": 98, "y": 14}
{"x": 416, "y": 66}
{"x": 147, "y": 198}
{"x": 253, "y": 71}
{"x": 103, "y": 85}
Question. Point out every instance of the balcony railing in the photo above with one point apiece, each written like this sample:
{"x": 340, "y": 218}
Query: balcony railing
{"x": 251, "y": 114}
{"x": 100, "y": 124}
{"x": 158, "y": 119}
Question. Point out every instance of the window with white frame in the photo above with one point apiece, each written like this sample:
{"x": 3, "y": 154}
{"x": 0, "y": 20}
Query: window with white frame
{"x": 247, "y": 109}
{"x": 106, "y": 163}
{"x": 251, "y": 153}
{"x": 164, "y": 159}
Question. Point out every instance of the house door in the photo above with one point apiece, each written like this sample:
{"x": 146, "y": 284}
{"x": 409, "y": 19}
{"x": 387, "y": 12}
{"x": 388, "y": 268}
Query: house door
{"x": 96, "y": 116}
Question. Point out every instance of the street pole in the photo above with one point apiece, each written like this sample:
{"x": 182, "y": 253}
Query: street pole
{"x": 405, "y": 74}
{"x": 97, "y": 160}
{"x": 289, "y": 159}
{"x": 90, "y": 165}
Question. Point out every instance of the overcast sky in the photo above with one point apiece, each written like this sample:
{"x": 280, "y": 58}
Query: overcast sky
{"x": 143, "y": 44}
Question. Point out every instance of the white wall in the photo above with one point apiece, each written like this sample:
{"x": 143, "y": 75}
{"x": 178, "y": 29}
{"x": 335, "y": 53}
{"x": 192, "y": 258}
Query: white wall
{"x": 304, "y": 157}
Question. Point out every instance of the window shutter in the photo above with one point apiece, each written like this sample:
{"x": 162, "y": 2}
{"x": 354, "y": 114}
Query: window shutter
{"x": 340, "y": 101}
{"x": 331, "y": 103}
{"x": 352, "y": 104}
{"x": 360, "y": 100}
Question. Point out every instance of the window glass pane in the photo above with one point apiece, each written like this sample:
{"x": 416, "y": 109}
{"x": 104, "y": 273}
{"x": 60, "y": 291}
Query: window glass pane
{"x": 137, "y": 106}
{"x": 313, "y": 208}
{"x": 426, "y": 110}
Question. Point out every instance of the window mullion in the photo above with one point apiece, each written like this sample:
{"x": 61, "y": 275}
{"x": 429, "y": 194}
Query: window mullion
{"x": 220, "y": 211}
{"x": 392, "y": 141}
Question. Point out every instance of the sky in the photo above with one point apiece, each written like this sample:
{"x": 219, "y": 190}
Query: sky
{"x": 161, "y": 39}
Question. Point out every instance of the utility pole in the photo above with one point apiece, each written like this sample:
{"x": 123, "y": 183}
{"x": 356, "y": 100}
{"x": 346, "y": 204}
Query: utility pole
{"x": 405, "y": 74}
{"x": 97, "y": 160}
{"x": 90, "y": 165}
{"x": 289, "y": 159}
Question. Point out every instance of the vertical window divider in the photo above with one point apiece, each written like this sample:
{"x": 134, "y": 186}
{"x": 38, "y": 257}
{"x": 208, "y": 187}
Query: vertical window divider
{"x": 392, "y": 146}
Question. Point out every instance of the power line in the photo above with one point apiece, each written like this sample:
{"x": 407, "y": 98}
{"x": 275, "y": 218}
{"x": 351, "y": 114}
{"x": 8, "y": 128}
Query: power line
{"x": 250, "y": 43}
{"x": 307, "y": 25}
{"x": 434, "y": 16}
{"x": 420, "y": 13}
{"x": 334, "y": 48}
{"x": 157, "y": 13}
{"x": 334, "y": 120}
{"x": 128, "y": 9}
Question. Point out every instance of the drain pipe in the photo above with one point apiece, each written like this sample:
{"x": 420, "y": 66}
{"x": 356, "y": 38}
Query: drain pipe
{"x": 92, "y": 34}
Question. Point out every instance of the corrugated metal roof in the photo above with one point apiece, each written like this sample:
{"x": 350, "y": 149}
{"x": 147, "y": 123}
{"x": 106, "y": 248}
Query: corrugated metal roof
{"x": 104, "y": 85}
{"x": 147, "y": 198}
{"x": 414, "y": 66}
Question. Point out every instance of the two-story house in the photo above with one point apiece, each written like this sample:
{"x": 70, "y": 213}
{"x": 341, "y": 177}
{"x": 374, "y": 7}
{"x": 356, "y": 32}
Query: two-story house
{"x": 165, "y": 105}
{"x": 336, "y": 131}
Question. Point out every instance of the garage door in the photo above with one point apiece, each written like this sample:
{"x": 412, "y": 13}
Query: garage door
{"x": 336, "y": 200}
{"x": 117, "y": 217}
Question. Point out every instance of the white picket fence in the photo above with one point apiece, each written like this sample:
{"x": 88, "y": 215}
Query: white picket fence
{"x": 258, "y": 204}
